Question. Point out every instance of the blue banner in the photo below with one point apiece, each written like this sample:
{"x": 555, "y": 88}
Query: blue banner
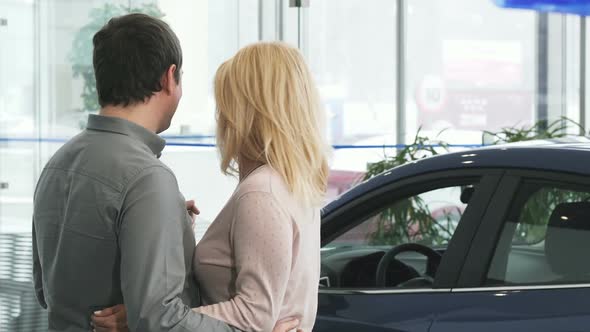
{"x": 579, "y": 7}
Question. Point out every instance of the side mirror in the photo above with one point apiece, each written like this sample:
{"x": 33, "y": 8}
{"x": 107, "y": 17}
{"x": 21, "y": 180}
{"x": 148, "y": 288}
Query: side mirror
{"x": 466, "y": 194}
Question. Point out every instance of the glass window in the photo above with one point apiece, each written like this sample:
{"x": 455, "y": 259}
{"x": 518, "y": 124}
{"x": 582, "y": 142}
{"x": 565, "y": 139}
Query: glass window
{"x": 50, "y": 95}
{"x": 358, "y": 94}
{"x": 545, "y": 237}
{"x": 465, "y": 72}
{"x": 47, "y": 90}
{"x": 18, "y": 116}
{"x": 351, "y": 49}
{"x": 428, "y": 219}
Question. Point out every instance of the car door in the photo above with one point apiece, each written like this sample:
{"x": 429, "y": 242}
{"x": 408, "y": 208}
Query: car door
{"x": 527, "y": 268}
{"x": 440, "y": 211}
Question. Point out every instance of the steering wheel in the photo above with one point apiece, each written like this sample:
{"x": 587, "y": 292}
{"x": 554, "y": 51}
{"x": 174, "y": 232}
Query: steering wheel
{"x": 432, "y": 263}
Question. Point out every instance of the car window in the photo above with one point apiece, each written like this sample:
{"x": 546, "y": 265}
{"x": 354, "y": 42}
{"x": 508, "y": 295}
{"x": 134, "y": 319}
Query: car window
{"x": 543, "y": 238}
{"x": 428, "y": 219}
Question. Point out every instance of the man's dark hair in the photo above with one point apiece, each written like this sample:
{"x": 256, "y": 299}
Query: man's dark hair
{"x": 131, "y": 53}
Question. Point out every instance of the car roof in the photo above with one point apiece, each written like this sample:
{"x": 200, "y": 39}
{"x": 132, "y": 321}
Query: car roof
{"x": 567, "y": 155}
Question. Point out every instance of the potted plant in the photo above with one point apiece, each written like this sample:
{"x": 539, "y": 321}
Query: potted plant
{"x": 81, "y": 52}
{"x": 410, "y": 220}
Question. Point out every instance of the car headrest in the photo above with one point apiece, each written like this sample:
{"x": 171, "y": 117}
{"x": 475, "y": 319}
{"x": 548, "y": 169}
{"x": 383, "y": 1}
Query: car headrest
{"x": 567, "y": 242}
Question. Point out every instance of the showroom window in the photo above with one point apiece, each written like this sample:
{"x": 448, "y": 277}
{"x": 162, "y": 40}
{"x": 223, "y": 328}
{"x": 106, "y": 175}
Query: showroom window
{"x": 385, "y": 69}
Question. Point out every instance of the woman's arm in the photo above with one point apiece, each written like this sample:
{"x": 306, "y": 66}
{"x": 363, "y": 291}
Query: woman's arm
{"x": 262, "y": 245}
{"x": 114, "y": 319}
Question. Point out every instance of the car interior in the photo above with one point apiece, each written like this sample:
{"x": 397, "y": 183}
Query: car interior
{"x": 556, "y": 259}
{"x": 354, "y": 264}
{"x": 543, "y": 241}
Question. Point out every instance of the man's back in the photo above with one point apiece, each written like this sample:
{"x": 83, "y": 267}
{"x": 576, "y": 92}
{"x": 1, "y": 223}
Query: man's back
{"x": 80, "y": 203}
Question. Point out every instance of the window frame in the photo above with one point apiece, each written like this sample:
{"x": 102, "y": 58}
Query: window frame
{"x": 342, "y": 220}
{"x": 483, "y": 248}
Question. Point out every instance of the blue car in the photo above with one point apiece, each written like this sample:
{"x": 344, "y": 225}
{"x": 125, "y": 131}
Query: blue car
{"x": 492, "y": 239}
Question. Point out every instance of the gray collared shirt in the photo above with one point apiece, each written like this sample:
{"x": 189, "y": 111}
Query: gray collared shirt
{"x": 110, "y": 226}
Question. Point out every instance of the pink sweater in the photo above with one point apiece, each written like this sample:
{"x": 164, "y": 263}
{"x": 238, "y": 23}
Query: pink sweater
{"x": 259, "y": 261}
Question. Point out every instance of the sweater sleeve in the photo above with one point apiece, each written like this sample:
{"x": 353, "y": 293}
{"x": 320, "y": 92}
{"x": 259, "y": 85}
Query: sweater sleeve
{"x": 262, "y": 245}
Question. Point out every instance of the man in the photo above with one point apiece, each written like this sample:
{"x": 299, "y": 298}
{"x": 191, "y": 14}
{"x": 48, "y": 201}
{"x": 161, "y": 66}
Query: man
{"x": 109, "y": 224}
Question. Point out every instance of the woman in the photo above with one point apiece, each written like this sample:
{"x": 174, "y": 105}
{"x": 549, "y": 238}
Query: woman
{"x": 259, "y": 261}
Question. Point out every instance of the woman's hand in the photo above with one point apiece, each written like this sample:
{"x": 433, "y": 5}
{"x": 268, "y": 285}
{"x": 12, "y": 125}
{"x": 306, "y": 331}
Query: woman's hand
{"x": 286, "y": 325}
{"x": 192, "y": 210}
{"x": 113, "y": 319}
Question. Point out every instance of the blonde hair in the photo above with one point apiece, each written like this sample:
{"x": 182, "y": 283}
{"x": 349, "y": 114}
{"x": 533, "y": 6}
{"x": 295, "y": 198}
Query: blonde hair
{"x": 268, "y": 111}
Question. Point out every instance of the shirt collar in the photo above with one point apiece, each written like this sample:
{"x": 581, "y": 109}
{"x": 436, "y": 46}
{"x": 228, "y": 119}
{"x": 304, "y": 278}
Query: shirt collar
{"x": 124, "y": 127}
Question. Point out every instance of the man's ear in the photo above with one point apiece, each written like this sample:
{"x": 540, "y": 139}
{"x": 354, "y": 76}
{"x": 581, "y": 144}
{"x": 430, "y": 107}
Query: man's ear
{"x": 168, "y": 82}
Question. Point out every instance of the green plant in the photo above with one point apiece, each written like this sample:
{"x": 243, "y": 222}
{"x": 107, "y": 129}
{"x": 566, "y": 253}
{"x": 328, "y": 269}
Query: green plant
{"x": 421, "y": 147}
{"x": 395, "y": 223}
{"x": 539, "y": 130}
{"x": 81, "y": 53}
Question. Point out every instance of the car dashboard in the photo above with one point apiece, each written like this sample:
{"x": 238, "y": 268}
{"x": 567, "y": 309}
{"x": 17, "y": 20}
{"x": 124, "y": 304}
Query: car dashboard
{"x": 356, "y": 267}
